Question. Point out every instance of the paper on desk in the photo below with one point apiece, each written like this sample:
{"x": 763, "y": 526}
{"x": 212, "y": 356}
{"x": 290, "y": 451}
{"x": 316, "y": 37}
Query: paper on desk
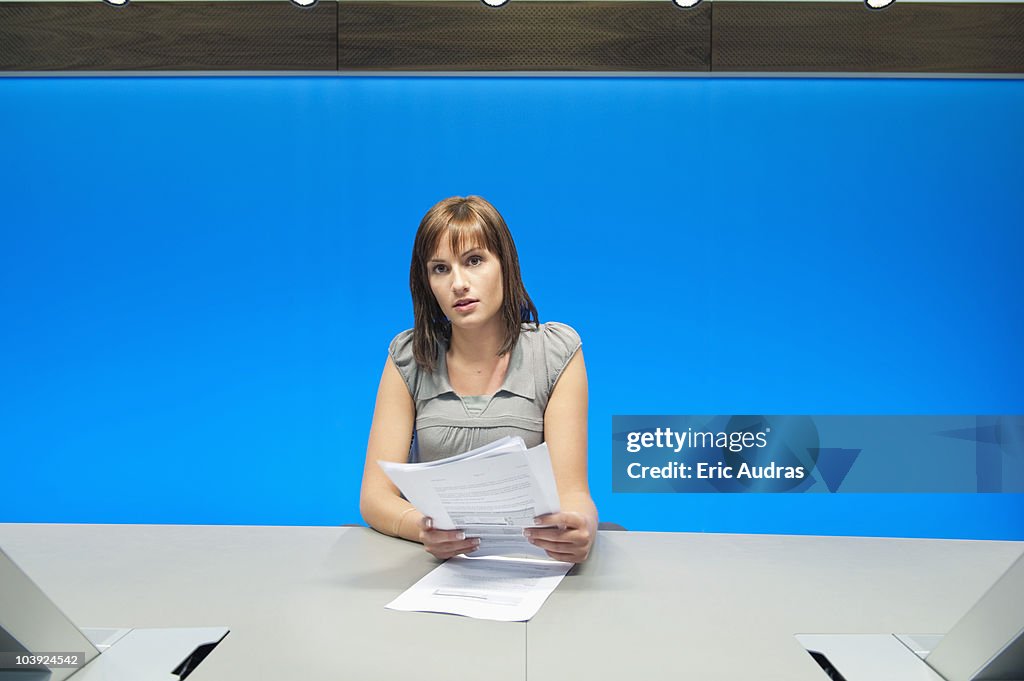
{"x": 490, "y": 589}
{"x": 492, "y": 492}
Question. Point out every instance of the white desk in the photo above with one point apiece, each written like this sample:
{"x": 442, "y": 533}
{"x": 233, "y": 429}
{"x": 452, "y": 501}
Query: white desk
{"x": 307, "y": 602}
{"x": 726, "y": 607}
{"x": 301, "y": 602}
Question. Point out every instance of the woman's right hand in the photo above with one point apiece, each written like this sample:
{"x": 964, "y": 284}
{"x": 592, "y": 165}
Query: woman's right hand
{"x": 443, "y": 544}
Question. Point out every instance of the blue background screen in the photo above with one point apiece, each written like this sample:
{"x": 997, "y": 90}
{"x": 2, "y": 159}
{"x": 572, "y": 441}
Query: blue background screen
{"x": 199, "y": 277}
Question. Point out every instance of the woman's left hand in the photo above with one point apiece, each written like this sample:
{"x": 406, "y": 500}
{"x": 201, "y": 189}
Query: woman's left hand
{"x": 570, "y": 539}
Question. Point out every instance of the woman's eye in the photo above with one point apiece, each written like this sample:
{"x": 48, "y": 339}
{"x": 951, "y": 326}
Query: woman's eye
{"x": 475, "y": 259}
{"x": 439, "y": 269}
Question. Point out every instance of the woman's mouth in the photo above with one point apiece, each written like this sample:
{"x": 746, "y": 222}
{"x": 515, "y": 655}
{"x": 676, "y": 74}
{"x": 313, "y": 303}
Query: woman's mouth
{"x": 466, "y": 305}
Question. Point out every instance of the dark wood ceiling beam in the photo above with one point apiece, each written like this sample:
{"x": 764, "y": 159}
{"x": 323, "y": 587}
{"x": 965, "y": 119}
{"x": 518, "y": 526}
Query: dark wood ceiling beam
{"x": 372, "y": 36}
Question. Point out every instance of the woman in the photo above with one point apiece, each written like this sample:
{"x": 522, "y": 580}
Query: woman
{"x": 476, "y": 367}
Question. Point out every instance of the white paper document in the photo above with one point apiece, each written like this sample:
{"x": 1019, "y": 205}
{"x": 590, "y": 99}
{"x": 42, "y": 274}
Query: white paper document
{"x": 488, "y": 588}
{"x": 492, "y": 492}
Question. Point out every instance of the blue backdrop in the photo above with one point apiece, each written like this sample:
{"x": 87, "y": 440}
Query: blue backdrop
{"x": 199, "y": 276}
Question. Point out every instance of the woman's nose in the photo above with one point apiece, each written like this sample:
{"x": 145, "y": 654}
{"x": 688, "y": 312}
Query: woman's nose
{"x": 459, "y": 281}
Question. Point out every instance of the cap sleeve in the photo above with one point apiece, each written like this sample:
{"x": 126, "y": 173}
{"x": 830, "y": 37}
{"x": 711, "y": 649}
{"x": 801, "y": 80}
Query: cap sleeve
{"x": 560, "y": 344}
{"x": 401, "y": 354}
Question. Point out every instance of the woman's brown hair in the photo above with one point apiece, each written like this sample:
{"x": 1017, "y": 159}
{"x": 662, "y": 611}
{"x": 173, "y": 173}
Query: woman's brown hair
{"x": 467, "y": 221}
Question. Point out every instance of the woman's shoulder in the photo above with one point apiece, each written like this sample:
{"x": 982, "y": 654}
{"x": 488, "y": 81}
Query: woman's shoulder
{"x": 555, "y": 344}
{"x": 401, "y": 353}
{"x": 401, "y": 344}
{"x": 553, "y": 334}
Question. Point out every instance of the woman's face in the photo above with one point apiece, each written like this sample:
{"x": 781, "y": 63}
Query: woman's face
{"x": 467, "y": 285}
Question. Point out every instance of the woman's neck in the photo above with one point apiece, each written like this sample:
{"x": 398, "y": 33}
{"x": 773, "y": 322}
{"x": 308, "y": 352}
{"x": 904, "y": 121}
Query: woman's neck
{"x": 476, "y": 346}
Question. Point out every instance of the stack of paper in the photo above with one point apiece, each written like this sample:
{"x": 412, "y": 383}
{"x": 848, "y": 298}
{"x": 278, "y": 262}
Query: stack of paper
{"x": 492, "y": 493}
{"x": 506, "y": 589}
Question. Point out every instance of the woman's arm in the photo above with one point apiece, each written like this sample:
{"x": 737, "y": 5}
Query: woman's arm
{"x": 565, "y": 431}
{"x": 380, "y": 502}
{"x": 390, "y": 436}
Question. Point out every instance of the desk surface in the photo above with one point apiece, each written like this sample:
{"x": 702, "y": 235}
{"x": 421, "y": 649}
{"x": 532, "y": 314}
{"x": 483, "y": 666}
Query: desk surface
{"x": 309, "y": 601}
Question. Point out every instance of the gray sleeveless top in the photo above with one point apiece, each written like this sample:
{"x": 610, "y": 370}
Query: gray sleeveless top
{"x": 447, "y": 424}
